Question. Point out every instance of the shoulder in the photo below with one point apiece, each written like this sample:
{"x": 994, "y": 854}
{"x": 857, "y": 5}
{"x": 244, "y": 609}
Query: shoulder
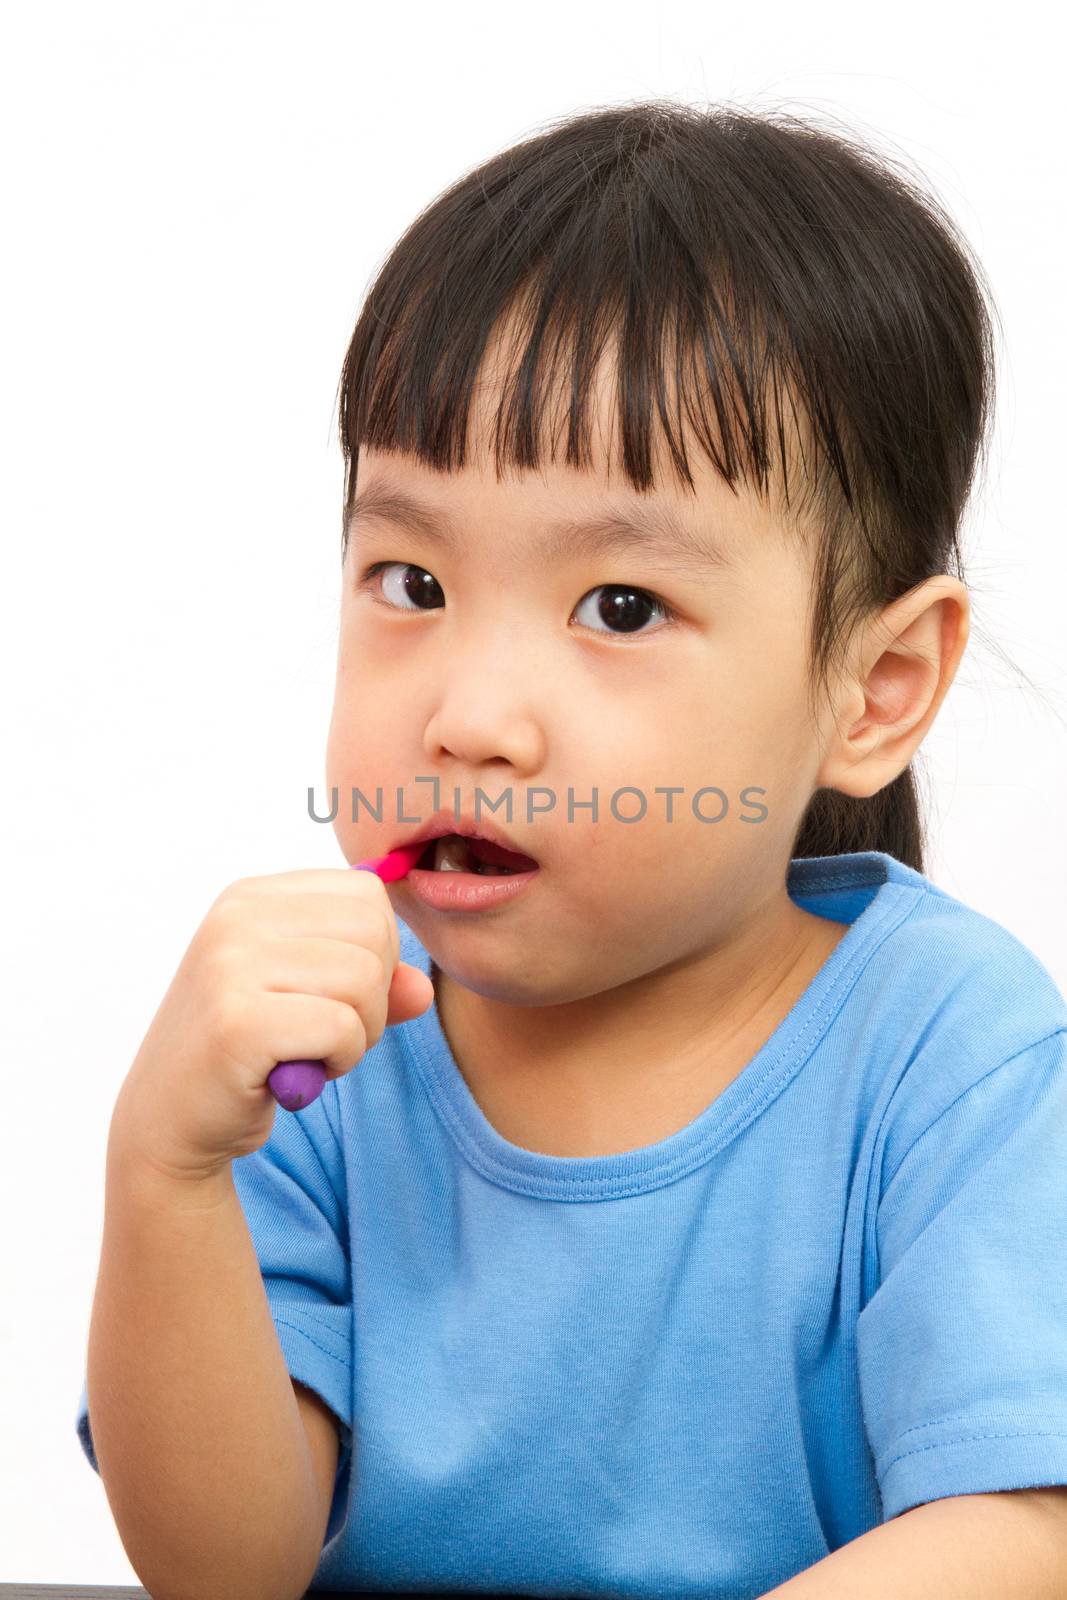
{"x": 930, "y": 964}
{"x": 967, "y": 976}
{"x": 967, "y": 997}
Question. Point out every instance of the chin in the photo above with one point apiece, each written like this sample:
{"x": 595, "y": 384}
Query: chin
{"x": 516, "y": 984}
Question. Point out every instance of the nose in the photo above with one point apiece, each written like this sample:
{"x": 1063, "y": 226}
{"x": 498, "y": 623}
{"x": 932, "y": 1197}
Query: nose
{"x": 489, "y": 706}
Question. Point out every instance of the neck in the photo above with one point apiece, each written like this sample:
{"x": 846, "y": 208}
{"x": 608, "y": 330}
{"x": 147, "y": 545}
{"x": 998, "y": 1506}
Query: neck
{"x": 671, "y": 1039}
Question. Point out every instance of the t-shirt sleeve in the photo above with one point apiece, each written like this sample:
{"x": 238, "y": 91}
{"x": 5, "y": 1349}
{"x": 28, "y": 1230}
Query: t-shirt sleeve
{"x": 962, "y": 1348}
{"x": 290, "y": 1191}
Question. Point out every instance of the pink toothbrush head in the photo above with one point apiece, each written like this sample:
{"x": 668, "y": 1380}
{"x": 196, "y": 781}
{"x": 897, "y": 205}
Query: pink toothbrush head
{"x": 295, "y": 1084}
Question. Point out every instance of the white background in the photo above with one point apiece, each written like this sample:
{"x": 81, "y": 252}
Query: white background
{"x": 195, "y": 198}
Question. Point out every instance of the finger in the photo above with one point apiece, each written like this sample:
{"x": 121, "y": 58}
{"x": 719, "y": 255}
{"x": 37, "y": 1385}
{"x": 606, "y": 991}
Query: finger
{"x": 361, "y": 886}
{"x": 300, "y": 1027}
{"x": 358, "y": 975}
{"x": 364, "y": 918}
{"x": 410, "y": 994}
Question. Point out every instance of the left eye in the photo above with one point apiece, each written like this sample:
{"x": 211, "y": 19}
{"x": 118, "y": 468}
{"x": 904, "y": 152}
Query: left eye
{"x": 622, "y": 608}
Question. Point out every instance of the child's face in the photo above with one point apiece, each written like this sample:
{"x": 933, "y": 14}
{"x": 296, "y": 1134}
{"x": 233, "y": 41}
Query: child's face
{"x": 510, "y": 675}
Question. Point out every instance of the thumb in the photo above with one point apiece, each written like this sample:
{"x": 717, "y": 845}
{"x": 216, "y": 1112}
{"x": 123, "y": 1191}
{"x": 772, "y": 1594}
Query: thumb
{"x": 410, "y": 994}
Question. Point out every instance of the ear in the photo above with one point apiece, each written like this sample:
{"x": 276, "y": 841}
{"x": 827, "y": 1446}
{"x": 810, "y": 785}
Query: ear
{"x": 900, "y": 667}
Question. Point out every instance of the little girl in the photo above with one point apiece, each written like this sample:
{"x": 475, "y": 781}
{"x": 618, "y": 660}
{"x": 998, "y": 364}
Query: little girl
{"x": 696, "y": 1205}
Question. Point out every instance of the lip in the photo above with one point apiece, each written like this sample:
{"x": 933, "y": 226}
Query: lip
{"x": 444, "y": 821}
{"x": 465, "y": 891}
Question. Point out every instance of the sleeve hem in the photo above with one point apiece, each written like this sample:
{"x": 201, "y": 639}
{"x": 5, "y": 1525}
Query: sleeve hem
{"x": 311, "y": 1363}
{"x": 974, "y": 1463}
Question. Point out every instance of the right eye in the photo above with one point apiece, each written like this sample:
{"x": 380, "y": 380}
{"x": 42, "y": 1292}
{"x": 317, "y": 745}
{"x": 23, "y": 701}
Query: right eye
{"x": 413, "y": 583}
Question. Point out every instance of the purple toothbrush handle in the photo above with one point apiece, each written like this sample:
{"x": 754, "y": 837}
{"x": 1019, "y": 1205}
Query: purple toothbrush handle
{"x": 295, "y": 1084}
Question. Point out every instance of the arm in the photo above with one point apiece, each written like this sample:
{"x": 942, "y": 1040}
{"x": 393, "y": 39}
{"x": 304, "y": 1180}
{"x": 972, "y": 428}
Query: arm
{"x": 196, "y": 1424}
{"x": 1005, "y": 1546}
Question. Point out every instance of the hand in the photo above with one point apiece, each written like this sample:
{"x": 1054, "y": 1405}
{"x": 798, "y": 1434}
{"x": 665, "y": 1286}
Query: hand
{"x": 293, "y": 965}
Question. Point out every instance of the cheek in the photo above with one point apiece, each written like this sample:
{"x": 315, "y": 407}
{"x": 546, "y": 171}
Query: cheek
{"x": 361, "y": 741}
{"x": 758, "y": 704}
{"x": 740, "y": 726}
{"x": 338, "y": 742}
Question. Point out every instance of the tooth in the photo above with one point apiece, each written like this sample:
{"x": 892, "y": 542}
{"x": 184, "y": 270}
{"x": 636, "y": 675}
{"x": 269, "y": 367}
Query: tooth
{"x": 452, "y": 855}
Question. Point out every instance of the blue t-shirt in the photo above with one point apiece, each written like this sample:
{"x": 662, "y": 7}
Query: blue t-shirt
{"x": 694, "y": 1368}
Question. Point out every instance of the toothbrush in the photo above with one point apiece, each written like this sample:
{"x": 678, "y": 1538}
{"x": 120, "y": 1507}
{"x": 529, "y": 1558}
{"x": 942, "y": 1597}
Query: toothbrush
{"x": 295, "y": 1084}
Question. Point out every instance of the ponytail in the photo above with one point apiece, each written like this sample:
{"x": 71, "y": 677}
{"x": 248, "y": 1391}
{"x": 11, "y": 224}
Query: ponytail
{"x": 890, "y": 821}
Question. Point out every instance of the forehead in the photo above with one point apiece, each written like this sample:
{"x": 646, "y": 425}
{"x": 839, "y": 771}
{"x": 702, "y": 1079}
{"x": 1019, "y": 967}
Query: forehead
{"x": 699, "y": 517}
{"x": 563, "y": 521}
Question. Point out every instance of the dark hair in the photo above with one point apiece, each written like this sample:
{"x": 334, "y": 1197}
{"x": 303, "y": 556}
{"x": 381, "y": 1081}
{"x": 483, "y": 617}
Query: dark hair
{"x": 758, "y": 250}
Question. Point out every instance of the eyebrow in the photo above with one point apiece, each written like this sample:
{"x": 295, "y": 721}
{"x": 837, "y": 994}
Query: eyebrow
{"x": 653, "y": 532}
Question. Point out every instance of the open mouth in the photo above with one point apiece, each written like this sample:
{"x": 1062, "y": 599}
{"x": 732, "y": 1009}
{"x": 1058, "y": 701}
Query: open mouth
{"x": 454, "y": 852}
